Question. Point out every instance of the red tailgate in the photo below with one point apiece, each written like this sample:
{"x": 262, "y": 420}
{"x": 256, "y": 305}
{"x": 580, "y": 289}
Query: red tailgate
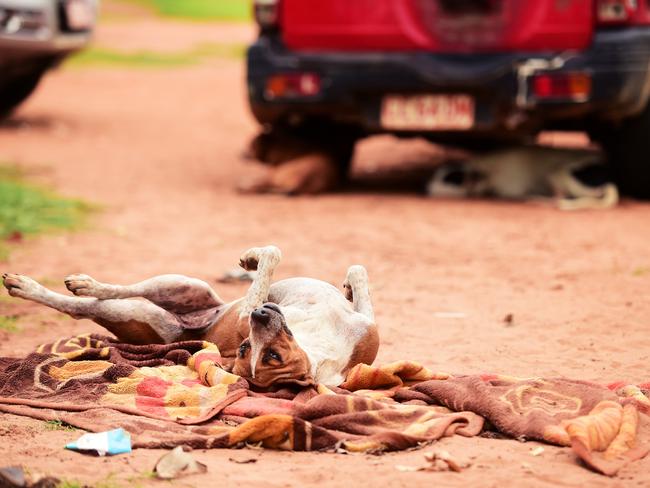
{"x": 437, "y": 25}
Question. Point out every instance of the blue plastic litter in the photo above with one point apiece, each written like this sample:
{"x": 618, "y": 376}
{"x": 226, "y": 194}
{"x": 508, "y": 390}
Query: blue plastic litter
{"x": 116, "y": 441}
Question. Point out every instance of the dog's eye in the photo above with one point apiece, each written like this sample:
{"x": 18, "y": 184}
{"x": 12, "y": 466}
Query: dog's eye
{"x": 245, "y": 346}
{"x": 272, "y": 355}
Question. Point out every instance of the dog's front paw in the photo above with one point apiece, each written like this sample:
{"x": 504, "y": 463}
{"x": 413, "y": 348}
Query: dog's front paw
{"x": 250, "y": 259}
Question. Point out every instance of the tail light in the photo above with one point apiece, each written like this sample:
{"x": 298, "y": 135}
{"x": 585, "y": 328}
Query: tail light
{"x": 564, "y": 86}
{"x": 292, "y": 85}
{"x": 267, "y": 13}
{"x": 616, "y": 11}
{"x": 76, "y": 15}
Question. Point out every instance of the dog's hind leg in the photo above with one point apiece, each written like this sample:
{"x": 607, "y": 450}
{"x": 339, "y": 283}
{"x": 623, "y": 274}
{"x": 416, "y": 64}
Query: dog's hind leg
{"x": 176, "y": 293}
{"x": 357, "y": 290}
{"x": 132, "y": 321}
{"x": 264, "y": 260}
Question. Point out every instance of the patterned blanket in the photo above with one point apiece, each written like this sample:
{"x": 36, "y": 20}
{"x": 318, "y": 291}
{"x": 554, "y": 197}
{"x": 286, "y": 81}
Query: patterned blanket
{"x": 168, "y": 395}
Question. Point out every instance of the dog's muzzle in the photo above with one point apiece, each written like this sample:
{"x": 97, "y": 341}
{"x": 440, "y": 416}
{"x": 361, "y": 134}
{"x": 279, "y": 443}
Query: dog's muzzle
{"x": 262, "y": 315}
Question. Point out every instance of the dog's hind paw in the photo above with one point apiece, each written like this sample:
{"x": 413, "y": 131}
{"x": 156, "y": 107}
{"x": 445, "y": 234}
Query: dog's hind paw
{"x": 83, "y": 285}
{"x": 20, "y": 286}
{"x": 356, "y": 279}
{"x": 357, "y": 276}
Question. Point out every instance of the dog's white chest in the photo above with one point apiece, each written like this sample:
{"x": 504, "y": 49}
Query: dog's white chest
{"x": 326, "y": 339}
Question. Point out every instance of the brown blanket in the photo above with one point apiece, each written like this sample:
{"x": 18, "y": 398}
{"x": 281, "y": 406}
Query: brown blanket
{"x": 167, "y": 395}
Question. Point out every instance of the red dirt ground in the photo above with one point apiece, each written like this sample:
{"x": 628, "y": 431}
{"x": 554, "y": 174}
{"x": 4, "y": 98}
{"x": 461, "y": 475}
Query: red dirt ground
{"x": 159, "y": 151}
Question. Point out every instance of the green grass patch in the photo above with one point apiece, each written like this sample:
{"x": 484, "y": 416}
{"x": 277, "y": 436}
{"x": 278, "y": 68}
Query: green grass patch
{"x": 27, "y": 209}
{"x": 151, "y": 59}
{"x": 58, "y": 425}
{"x": 203, "y": 10}
{"x": 9, "y": 324}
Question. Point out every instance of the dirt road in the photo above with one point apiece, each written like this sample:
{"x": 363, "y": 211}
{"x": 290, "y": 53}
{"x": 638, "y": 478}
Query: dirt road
{"x": 159, "y": 151}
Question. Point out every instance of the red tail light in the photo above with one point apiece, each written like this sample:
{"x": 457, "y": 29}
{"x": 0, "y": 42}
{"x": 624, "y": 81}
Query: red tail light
{"x": 292, "y": 85}
{"x": 565, "y": 86}
{"x": 267, "y": 13}
{"x": 616, "y": 11}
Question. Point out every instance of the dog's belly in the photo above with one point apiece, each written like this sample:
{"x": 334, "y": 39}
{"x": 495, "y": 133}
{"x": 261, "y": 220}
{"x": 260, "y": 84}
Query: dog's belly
{"x": 323, "y": 323}
{"x": 327, "y": 341}
{"x": 199, "y": 320}
{"x": 305, "y": 292}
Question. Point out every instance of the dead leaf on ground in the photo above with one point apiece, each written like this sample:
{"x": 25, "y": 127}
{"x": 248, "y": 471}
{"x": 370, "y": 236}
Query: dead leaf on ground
{"x": 437, "y": 461}
{"x": 178, "y": 463}
{"x": 442, "y": 461}
{"x": 243, "y": 461}
{"x": 17, "y": 477}
{"x": 536, "y": 451}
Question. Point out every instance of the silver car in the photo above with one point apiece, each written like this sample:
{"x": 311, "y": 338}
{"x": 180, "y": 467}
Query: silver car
{"x": 35, "y": 35}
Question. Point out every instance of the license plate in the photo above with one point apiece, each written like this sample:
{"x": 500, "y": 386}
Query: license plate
{"x": 80, "y": 14}
{"x": 427, "y": 112}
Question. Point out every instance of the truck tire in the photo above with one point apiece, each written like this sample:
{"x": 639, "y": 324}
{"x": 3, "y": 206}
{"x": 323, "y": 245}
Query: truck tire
{"x": 628, "y": 151}
{"x": 16, "y": 90}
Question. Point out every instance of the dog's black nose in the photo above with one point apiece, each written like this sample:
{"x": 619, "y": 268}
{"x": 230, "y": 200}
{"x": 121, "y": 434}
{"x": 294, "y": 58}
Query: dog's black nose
{"x": 272, "y": 306}
{"x": 261, "y": 316}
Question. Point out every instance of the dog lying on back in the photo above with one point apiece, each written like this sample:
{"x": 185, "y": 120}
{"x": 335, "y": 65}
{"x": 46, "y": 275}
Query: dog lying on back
{"x": 576, "y": 179}
{"x": 299, "y": 330}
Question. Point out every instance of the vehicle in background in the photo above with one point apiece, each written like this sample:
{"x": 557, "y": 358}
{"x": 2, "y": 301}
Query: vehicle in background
{"x": 464, "y": 72}
{"x": 35, "y": 35}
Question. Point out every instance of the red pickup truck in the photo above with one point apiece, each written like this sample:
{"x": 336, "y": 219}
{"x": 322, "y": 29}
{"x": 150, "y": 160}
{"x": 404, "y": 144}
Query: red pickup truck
{"x": 462, "y": 72}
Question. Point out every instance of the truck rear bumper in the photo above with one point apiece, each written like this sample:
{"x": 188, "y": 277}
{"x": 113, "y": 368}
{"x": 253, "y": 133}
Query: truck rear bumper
{"x": 354, "y": 84}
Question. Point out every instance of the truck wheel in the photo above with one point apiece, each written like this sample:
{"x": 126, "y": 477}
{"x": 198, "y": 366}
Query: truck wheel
{"x": 628, "y": 151}
{"x": 16, "y": 91}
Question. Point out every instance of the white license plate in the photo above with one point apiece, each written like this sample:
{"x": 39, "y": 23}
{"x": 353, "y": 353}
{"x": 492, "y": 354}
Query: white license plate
{"x": 80, "y": 14}
{"x": 427, "y": 112}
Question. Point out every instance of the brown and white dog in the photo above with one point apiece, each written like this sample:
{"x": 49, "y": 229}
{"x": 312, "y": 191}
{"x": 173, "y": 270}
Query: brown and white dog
{"x": 298, "y": 330}
{"x": 305, "y": 160}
